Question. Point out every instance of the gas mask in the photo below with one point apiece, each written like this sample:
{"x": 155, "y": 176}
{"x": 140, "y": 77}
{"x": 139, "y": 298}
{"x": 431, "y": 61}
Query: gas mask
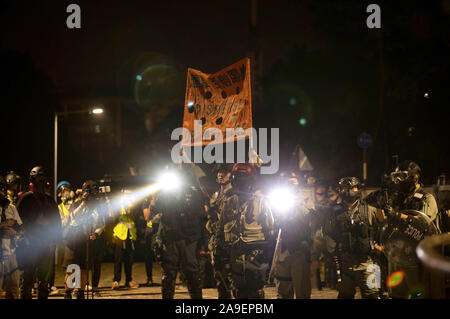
{"x": 66, "y": 194}
{"x": 403, "y": 182}
{"x": 349, "y": 195}
{"x": 243, "y": 177}
{"x": 349, "y": 189}
{"x": 40, "y": 185}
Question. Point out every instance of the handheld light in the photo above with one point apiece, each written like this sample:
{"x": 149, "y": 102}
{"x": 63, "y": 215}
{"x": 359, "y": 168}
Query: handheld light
{"x": 169, "y": 181}
{"x": 282, "y": 199}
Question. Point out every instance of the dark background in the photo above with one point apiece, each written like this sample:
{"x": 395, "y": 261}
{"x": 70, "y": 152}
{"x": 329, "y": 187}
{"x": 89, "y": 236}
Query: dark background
{"x": 319, "y": 62}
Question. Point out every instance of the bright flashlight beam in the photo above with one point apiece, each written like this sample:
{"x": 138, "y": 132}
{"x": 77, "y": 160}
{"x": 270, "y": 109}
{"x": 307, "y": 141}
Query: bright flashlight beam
{"x": 97, "y": 111}
{"x": 169, "y": 181}
{"x": 103, "y": 209}
{"x": 282, "y": 199}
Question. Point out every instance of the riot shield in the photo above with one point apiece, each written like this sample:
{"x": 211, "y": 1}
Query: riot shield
{"x": 400, "y": 237}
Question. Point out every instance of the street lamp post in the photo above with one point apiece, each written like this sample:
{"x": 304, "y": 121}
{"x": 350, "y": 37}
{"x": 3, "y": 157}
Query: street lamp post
{"x": 55, "y": 158}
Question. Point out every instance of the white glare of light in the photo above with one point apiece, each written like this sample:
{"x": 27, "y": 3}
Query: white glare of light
{"x": 169, "y": 181}
{"x": 97, "y": 111}
{"x": 282, "y": 199}
{"x": 190, "y": 104}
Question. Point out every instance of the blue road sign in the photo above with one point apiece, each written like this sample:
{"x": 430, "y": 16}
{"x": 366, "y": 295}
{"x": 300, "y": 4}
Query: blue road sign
{"x": 364, "y": 140}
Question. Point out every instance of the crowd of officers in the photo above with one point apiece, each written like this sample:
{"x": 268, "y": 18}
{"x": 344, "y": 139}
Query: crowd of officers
{"x": 331, "y": 233}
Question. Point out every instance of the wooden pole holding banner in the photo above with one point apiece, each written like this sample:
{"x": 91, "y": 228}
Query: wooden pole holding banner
{"x": 364, "y": 165}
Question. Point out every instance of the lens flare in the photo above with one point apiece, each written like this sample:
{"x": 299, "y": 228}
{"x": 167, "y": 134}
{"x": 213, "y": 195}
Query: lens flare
{"x": 395, "y": 279}
{"x": 416, "y": 293}
{"x": 282, "y": 199}
{"x": 169, "y": 181}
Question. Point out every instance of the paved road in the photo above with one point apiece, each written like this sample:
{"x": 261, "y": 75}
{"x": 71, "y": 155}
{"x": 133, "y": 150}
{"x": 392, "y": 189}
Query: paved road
{"x": 155, "y": 291}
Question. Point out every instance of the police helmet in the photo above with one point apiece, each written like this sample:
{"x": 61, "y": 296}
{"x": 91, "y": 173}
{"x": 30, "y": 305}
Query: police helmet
{"x": 404, "y": 171}
{"x": 346, "y": 188}
{"x": 243, "y": 175}
{"x": 36, "y": 172}
{"x": 63, "y": 184}
{"x": 349, "y": 182}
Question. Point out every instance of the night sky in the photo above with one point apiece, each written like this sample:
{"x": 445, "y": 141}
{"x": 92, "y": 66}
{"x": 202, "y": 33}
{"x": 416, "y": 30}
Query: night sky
{"x": 323, "y": 49}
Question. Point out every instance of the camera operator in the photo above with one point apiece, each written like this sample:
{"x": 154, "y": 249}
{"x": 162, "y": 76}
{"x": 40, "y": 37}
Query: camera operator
{"x": 42, "y": 232}
{"x": 9, "y": 223}
{"x": 86, "y": 224}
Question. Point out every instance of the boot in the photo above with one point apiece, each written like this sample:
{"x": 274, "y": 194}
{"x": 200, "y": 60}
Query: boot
{"x": 68, "y": 294}
{"x": 80, "y": 294}
{"x": 194, "y": 285}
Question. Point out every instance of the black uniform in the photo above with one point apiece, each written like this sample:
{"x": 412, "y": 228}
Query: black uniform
{"x": 418, "y": 200}
{"x": 42, "y": 231}
{"x": 348, "y": 234}
{"x": 180, "y": 231}
{"x": 248, "y": 232}
{"x": 219, "y": 253}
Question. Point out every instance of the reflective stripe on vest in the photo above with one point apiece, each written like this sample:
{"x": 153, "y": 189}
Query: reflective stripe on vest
{"x": 124, "y": 225}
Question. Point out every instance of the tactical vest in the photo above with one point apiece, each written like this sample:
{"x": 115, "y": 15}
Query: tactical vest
{"x": 351, "y": 233}
{"x": 246, "y": 221}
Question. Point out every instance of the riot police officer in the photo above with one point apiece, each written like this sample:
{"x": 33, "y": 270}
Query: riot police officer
{"x": 219, "y": 254}
{"x": 247, "y": 233}
{"x": 293, "y": 256}
{"x": 180, "y": 230}
{"x": 320, "y": 256}
{"x": 401, "y": 193}
{"x": 42, "y": 231}
{"x": 348, "y": 232}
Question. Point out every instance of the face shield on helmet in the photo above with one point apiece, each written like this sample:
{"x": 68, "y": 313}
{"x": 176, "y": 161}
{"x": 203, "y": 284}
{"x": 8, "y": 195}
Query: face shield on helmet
{"x": 405, "y": 177}
{"x": 243, "y": 177}
{"x": 40, "y": 181}
{"x": 65, "y": 191}
{"x": 349, "y": 189}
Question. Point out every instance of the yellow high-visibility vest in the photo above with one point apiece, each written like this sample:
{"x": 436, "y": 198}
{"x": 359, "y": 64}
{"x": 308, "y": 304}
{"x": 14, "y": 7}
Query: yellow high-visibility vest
{"x": 124, "y": 225}
{"x": 63, "y": 209}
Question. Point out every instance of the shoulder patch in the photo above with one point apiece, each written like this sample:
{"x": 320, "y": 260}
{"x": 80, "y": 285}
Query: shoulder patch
{"x": 418, "y": 195}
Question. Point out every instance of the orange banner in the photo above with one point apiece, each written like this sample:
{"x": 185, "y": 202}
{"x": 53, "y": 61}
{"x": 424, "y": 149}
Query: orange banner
{"x": 221, "y": 100}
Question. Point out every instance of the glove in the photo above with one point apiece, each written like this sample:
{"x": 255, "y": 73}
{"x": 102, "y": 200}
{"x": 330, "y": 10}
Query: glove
{"x": 158, "y": 248}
